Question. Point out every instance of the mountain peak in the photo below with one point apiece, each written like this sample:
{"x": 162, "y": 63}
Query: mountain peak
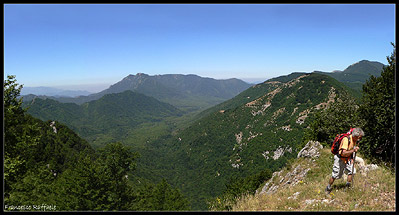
{"x": 365, "y": 66}
{"x": 132, "y": 77}
{"x": 177, "y": 88}
{"x": 362, "y": 61}
{"x": 365, "y": 62}
{"x": 355, "y": 75}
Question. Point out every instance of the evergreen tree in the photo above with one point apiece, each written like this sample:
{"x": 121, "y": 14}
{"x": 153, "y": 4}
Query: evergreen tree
{"x": 378, "y": 113}
{"x": 159, "y": 197}
{"x": 236, "y": 188}
{"x": 99, "y": 183}
{"x": 20, "y": 136}
{"x": 36, "y": 187}
{"x": 116, "y": 161}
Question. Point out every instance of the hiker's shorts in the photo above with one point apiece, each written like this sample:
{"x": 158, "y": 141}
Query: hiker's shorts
{"x": 339, "y": 167}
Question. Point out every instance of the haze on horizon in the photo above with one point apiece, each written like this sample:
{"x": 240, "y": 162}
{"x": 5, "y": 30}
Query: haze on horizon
{"x": 91, "y": 46}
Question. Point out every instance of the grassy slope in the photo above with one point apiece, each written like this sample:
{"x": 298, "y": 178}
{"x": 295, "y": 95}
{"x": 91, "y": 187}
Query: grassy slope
{"x": 373, "y": 192}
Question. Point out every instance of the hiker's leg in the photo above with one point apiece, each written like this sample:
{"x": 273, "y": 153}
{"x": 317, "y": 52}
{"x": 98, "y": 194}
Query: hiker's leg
{"x": 329, "y": 185}
{"x": 349, "y": 170}
{"x": 336, "y": 173}
{"x": 338, "y": 168}
{"x": 349, "y": 178}
{"x": 331, "y": 181}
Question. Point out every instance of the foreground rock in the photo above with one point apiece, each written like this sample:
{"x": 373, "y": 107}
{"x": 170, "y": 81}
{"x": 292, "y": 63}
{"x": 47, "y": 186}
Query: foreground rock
{"x": 311, "y": 150}
{"x": 297, "y": 175}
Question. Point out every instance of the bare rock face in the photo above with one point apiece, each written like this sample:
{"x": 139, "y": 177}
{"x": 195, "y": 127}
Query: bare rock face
{"x": 52, "y": 124}
{"x": 288, "y": 179}
{"x": 296, "y": 174}
{"x": 363, "y": 167}
{"x": 311, "y": 150}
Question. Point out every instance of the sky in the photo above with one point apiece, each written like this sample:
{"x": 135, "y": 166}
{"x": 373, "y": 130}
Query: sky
{"x": 91, "y": 46}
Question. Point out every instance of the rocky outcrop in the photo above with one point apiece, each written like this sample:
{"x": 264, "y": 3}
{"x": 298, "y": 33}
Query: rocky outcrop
{"x": 239, "y": 137}
{"x": 280, "y": 179}
{"x": 284, "y": 179}
{"x": 291, "y": 178}
{"x": 277, "y": 153}
{"x": 52, "y": 125}
{"x": 362, "y": 167}
{"x": 311, "y": 150}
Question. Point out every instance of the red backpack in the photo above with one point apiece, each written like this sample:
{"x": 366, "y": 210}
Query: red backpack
{"x": 337, "y": 141}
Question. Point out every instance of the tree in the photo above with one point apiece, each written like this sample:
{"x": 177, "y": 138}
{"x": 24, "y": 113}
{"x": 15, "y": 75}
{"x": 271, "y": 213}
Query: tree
{"x": 336, "y": 119}
{"x": 20, "y": 134}
{"x": 378, "y": 113}
{"x": 116, "y": 161}
{"x": 98, "y": 182}
{"x": 159, "y": 197}
{"x": 34, "y": 188}
{"x": 238, "y": 187}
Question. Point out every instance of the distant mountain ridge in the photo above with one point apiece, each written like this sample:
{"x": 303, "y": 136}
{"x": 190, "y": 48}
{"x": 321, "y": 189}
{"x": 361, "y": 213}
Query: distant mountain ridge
{"x": 356, "y": 74}
{"x": 193, "y": 92}
{"x": 187, "y": 92}
{"x": 51, "y": 91}
{"x": 183, "y": 91}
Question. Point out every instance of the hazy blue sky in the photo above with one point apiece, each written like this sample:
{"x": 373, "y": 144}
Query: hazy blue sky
{"x": 60, "y": 45}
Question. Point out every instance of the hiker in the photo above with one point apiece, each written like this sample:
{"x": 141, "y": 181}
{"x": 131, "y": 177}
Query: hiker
{"x": 344, "y": 158}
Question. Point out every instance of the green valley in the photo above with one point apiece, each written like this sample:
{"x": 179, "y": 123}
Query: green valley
{"x": 107, "y": 119}
{"x": 201, "y": 153}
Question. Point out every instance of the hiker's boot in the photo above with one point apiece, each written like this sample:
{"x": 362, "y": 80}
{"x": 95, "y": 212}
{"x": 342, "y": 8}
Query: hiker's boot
{"x": 328, "y": 189}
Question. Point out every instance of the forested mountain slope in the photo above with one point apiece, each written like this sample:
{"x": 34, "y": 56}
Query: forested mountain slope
{"x": 106, "y": 119}
{"x": 48, "y": 167}
{"x": 259, "y": 129}
{"x": 299, "y": 186}
{"x": 356, "y": 74}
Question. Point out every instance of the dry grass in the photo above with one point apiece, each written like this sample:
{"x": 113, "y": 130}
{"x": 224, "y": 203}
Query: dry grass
{"x": 373, "y": 192}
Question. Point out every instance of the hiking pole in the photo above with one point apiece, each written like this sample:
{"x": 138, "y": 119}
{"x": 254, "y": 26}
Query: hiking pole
{"x": 353, "y": 168}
